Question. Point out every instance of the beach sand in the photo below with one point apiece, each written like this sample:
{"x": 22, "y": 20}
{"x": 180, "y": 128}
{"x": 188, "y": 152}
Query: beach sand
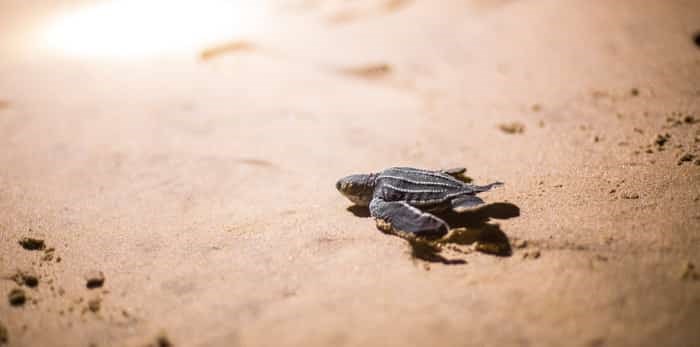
{"x": 201, "y": 186}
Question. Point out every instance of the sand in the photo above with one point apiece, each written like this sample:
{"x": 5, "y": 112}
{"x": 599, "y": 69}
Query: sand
{"x": 202, "y": 186}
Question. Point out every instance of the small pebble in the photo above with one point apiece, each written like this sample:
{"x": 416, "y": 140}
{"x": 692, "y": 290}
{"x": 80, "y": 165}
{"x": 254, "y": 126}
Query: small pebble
{"x": 27, "y": 278}
{"x": 94, "y": 304}
{"x": 685, "y": 158}
{"x": 32, "y": 244}
{"x": 630, "y": 196}
{"x": 17, "y": 297}
{"x": 532, "y": 254}
{"x": 661, "y": 139}
{"x": 512, "y": 128}
{"x": 491, "y": 248}
{"x": 520, "y": 243}
{"x": 94, "y": 279}
{"x": 161, "y": 341}
{"x": 4, "y": 335}
{"x": 689, "y": 272}
{"x": 48, "y": 254}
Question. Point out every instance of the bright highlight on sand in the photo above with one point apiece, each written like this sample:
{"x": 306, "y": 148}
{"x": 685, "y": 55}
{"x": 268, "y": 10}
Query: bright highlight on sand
{"x": 138, "y": 29}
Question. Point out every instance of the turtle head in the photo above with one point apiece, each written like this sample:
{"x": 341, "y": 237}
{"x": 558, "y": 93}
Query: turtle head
{"x": 358, "y": 188}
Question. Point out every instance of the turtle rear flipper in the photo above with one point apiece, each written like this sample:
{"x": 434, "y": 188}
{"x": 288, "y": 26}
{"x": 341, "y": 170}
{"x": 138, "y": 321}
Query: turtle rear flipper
{"x": 455, "y": 171}
{"x": 407, "y": 218}
{"x": 466, "y": 203}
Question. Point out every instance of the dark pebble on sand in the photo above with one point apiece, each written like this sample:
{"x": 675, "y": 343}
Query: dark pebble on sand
{"x": 32, "y": 244}
{"x": 512, "y": 128}
{"x": 686, "y": 157}
{"x": 161, "y": 341}
{"x": 492, "y": 248}
{"x": 94, "y": 279}
{"x": 4, "y": 335}
{"x": 532, "y": 254}
{"x": 630, "y": 196}
{"x": 48, "y": 254}
{"x": 31, "y": 280}
{"x": 17, "y": 297}
{"x": 661, "y": 139}
{"x": 689, "y": 272}
{"x": 94, "y": 304}
{"x": 27, "y": 278}
{"x": 520, "y": 244}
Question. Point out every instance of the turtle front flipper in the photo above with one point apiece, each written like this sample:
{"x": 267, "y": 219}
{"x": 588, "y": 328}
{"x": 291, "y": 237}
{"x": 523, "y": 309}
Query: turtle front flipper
{"x": 455, "y": 171}
{"x": 466, "y": 203}
{"x": 406, "y": 218}
{"x": 458, "y": 173}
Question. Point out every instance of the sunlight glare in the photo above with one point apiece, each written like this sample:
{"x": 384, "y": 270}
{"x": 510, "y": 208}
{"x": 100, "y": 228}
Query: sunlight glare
{"x": 136, "y": 29}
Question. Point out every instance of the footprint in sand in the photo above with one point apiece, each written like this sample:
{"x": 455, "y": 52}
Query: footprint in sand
{"x": 367, "y": 71}
{"x": 346, "y": 14}
{"x": 227, "y": 48}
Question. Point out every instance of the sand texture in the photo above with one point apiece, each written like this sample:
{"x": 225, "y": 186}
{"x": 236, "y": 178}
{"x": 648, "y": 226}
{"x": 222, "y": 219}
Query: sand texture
{"x": 191, "y": 201}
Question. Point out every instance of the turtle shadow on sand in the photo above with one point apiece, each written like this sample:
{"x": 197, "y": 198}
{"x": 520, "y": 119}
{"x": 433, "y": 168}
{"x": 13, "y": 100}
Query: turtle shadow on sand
{"x": 470, "y": 228}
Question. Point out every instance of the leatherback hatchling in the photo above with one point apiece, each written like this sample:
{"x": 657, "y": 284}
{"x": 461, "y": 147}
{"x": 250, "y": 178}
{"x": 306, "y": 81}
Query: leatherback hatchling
{"x": 405, "y": 197}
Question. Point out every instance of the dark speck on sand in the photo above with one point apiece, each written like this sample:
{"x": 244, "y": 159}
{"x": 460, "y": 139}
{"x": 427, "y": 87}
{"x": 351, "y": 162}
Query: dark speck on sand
{"x": 4, "y": 335}
{"x": 630, "y": 196}
{"x": 32, "y": 244}
{"x": 27, "y": 278}
{"x": 686, "y": 157}
{"x": 94, "y": 304}
{"x": 512, "y": 128}
{"x": 94, "y": 279}
{"x": 161, "y": 341}
{"x": 17, "y": 297}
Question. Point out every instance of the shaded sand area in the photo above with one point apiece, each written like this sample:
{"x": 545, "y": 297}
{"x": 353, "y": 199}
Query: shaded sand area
{"x": 188, "y": 198}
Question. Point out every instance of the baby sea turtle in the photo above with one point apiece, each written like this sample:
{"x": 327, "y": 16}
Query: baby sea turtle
{"x": 405, "y": 197}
